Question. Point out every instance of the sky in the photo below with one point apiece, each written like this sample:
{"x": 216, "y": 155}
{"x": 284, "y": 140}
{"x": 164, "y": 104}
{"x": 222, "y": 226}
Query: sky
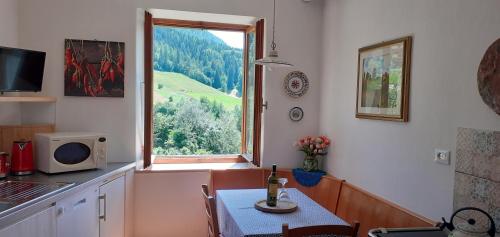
{"x": 231, "y": 38}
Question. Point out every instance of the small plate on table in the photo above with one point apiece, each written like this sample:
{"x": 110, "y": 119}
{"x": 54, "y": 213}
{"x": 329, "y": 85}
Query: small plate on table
{"x": 282, "y": 206}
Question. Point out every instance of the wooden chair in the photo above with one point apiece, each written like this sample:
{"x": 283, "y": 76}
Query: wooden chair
{"x": 341, "y": 230}
{"x": 211, "y": 212}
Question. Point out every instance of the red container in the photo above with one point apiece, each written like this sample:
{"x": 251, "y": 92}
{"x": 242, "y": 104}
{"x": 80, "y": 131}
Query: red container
{"x": 22, "y": 162}
{"x": 4, "y": 167}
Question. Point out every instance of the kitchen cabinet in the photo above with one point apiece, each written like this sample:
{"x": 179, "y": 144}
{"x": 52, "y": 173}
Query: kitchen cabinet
{"x": 97, "y": 209}
{"x": 129, "y": 203}
{"x": 78, "y": 215}
{"x": 112, "y": 208}
{"x": 41, "y": 224}
{"x": 95, "y": 212}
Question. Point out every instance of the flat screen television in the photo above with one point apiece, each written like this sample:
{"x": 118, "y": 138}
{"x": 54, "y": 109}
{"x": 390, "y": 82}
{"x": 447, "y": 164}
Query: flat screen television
{"x": 21, "y": 70}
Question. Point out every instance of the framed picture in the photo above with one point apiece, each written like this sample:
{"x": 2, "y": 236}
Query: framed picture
{"x": 94, "y": 68}
{"x": 384, "y": 80}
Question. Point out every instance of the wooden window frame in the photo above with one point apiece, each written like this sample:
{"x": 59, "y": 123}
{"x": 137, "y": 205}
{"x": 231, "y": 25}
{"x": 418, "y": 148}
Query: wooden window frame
{"x": 259, "y": 99}
{"x": 148, "y": 88}
{"x": 150, "y": 22}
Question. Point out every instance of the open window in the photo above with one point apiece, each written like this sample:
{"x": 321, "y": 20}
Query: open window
{"x": 203, "y": 97}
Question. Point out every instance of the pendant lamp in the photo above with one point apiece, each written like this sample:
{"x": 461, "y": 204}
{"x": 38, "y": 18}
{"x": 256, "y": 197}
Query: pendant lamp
{"x": 273, "y": 60}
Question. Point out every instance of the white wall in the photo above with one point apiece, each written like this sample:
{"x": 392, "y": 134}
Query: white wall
{"x": 163, "y": 204}
{"x": 170, "y": 204}
{"x": 8, "y": 23}
{"x": 10, "y": 113}
{"x": 44, "y": 25}
{"x": 391, "y": 159}
{"x": 394, "y": 159}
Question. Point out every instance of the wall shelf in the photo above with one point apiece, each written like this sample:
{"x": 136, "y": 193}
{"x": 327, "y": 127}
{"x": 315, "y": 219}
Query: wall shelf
{"x": 28, "y": 99}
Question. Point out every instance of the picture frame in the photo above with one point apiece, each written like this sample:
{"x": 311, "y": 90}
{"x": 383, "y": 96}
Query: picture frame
{"x": 94, "y": 68}
{"x": 383, "y": 80}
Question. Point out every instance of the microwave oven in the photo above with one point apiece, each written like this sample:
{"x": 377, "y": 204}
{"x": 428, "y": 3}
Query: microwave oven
{"x": 70, "y": 151}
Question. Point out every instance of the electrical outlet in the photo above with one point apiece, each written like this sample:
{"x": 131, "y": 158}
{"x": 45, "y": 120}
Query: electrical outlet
{"x": 442, "y": 156}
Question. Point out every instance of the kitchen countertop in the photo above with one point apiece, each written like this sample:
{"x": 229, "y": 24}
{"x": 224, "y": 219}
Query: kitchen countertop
{"x": 81, "y": 180}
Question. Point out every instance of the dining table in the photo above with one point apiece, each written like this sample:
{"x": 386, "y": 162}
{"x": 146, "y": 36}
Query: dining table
{"x": 238, "y": 217}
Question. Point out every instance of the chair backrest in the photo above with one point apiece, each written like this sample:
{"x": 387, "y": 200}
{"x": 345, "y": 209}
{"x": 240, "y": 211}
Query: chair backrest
{"x": 341, "y": 230}
{"x": 211, "y": 212}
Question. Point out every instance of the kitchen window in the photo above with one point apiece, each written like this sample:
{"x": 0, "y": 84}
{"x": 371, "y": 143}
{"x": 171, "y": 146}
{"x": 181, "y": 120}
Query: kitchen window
{"x": 203, "y": 92}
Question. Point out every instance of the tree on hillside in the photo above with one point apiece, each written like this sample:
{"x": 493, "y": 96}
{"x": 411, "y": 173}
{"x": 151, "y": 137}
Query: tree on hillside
{"x": 199, "y": 55}
{"x": 195, "y": 127}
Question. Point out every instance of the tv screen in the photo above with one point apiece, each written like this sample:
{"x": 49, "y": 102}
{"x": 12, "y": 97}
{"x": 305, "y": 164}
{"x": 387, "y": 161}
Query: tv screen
{"x": 21, "y": 70}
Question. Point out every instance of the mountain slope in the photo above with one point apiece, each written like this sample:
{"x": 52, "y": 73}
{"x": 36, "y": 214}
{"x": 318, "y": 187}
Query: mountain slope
{"x": 199, "y": 55}
{"x": 177, "y": 86}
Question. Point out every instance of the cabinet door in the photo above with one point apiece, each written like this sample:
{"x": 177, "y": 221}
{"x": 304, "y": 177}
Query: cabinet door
{"x": 42, "y": 224}
{"x": 78, "y": 215}
{"x": 112, "y": 208}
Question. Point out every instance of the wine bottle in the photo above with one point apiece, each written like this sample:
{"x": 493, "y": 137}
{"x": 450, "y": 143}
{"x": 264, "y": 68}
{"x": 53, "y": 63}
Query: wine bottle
{"x": 272, "y": 188}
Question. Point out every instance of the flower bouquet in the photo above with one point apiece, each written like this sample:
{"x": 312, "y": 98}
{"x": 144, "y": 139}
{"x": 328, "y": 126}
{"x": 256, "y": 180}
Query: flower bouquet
{"x": 312, "y": 147}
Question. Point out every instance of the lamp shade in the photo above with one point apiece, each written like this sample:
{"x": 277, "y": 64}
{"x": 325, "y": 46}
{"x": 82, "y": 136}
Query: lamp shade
{"x": 273, "y": 60}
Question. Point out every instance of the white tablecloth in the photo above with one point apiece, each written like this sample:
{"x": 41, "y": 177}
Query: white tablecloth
{"x": 238, "y": 217}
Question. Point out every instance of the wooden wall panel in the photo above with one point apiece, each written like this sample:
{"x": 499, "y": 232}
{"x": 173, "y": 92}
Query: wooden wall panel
{"x": 355, "y": 204}
{"x": 11, "y": 133}
{"x": 326, "y": 192}
{"x": 236, "y": 179}
{"x": 291, "y": 181}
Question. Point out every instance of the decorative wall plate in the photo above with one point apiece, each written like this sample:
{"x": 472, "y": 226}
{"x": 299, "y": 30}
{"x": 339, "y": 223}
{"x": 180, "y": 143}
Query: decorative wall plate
{"x": 296, "y": 84}
{"x": 296, "y": 114}
{"x": 488, "y": 77}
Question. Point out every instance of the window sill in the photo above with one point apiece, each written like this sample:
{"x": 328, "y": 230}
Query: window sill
{"x": 198, "y": 159}
{"x": 196, "y": 167}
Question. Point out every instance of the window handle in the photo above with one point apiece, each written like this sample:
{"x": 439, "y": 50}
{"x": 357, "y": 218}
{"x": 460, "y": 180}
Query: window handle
{"x": 264, "y": 105}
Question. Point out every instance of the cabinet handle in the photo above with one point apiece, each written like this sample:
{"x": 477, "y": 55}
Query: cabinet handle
{"x": 80, "y": 202}
{"x": 60, "y": 211}
{"x": 103, "y": 197}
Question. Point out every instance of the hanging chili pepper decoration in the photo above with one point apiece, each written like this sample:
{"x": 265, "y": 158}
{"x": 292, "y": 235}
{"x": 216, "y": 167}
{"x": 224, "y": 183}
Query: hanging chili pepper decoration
{"x": 91, "y": 73}
{"x": 120, "y": 61}
{"x": 67, "y": 59}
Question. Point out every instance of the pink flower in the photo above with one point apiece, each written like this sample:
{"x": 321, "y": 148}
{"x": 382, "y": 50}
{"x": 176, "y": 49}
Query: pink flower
{"x": 313, "y": 146}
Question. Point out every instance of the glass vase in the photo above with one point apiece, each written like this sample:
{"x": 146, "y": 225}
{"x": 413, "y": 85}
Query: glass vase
{"x": 310, "y": 163}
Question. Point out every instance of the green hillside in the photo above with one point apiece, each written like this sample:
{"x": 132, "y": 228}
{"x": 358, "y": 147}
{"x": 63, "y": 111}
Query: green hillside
{"x": 200, "y": 55}
{"x": 176, "y": 85}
